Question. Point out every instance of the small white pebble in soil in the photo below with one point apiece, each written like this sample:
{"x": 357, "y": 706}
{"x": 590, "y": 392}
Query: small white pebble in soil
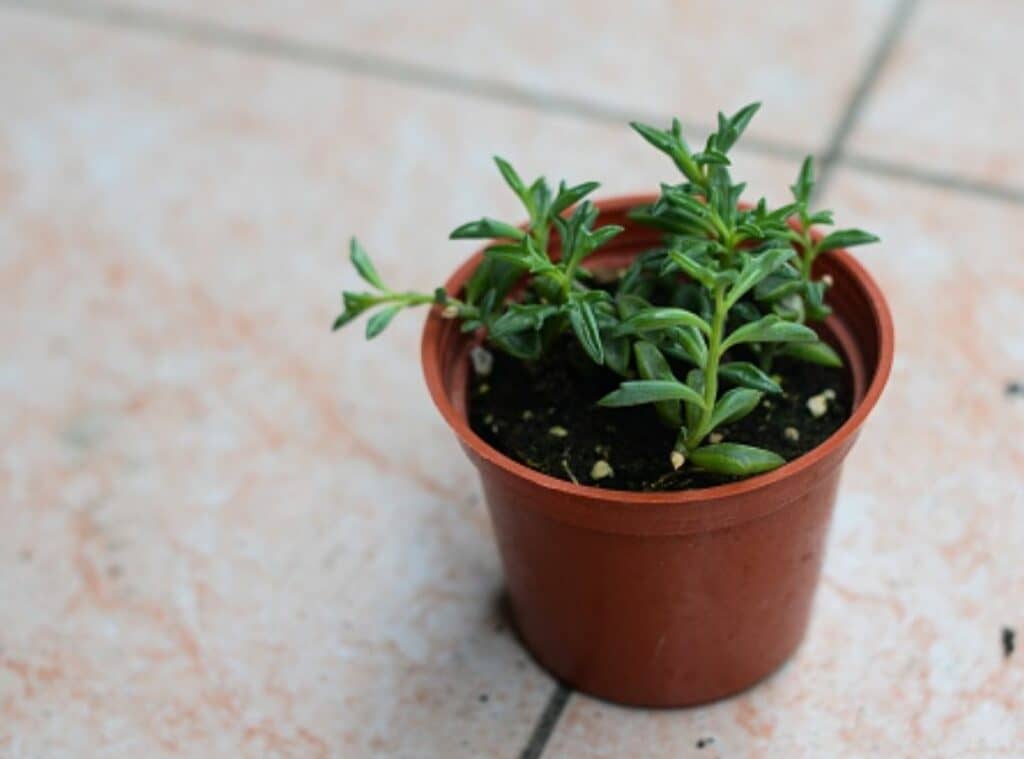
{"x": 827, "y": 279}
{"x": 527, "y": 415}
{"x": 484, "y": 389}
{"x": 558, "y": 431}
{"x": 715, "y": 437}
{"x": 830, "y": 394}
{"x": 817, "y": 405}
{"x": 677, "y": 459}
{"x": 791, "y": 433}
{"x": 483, "y": 361}
{"x": 601, "y": 470}
{"x": 449, "y": 312}
{"x": 489, "y": 419}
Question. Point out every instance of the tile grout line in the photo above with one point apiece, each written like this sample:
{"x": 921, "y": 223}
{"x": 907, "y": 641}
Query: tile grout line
{"x": 881, "y": 167}
{"x": 547, "y": 722}
{"x": 848, "y": 118}
{"x": 400, "y": 72}
{"x": 377, "y": 66}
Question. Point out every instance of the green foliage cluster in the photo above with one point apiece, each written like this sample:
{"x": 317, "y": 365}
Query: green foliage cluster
{"x": 730, "y": 289}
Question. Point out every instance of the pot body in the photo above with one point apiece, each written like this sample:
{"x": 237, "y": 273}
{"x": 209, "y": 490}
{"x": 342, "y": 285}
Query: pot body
{"x": 661, "y": 620}
{"x": 667, "y": 599}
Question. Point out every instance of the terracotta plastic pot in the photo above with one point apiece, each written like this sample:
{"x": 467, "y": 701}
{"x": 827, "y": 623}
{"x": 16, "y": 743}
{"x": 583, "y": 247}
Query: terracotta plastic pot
{"x": 671, "y": 598}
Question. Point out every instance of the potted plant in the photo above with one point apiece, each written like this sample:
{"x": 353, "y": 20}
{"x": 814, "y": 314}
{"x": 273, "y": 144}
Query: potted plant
{"x": 658, "y": 393}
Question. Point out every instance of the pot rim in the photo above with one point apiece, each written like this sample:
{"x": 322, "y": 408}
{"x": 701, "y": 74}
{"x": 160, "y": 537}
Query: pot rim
{"x": 435, "y": 326}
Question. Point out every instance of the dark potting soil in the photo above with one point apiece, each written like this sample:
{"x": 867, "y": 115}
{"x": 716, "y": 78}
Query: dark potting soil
{"x": 544, "y": 415}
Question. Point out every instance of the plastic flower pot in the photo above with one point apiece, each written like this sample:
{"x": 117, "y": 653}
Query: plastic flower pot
{"x": 667, "y": 598}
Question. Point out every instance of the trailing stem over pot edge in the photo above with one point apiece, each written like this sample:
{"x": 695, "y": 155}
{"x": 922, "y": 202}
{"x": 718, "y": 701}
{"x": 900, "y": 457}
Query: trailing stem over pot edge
{"x": 728, "y": 291}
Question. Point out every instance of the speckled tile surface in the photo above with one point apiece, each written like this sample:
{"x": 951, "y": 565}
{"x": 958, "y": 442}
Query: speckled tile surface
{"x": 651, "y": 56}
{"x": 226, "y": 532}
{"x": 951, "y": 99}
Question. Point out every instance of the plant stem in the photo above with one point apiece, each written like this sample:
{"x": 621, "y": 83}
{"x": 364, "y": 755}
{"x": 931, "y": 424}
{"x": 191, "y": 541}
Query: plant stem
{"x": 807, "y": 259}
{"x": 407, "y": 299}
{"x": 711, "y": 369}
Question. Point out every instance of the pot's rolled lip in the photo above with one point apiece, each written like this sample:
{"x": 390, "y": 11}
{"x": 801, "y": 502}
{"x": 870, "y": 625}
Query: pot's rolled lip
{"x": 601, "y": 497}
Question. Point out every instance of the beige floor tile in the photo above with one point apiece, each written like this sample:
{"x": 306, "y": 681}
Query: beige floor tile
{"x": 684, "y": 58}
{"x": 904, "y": 655}
{"x": 225, "y": 531}
{"x": 951, "y": 98}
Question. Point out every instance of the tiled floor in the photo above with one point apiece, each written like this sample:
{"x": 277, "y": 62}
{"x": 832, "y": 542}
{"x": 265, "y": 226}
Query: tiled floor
{"x": 227, "y": 533}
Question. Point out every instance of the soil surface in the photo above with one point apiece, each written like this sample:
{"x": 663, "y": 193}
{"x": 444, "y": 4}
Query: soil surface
{"x": 544, "y": 415}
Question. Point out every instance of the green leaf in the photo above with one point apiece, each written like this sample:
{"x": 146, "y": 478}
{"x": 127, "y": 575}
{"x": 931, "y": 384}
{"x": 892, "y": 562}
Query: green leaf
{"x": 380, "y": 320}
{"x": 746, "y": 311}
{"x": 756, "y": 269}
{"x": 584, "y": 324}
{"x": 680, "y": 197}
{"x": 846, "y": 238}
{"x": 711, "y": 156}
{"x": 695, "y": 381}
{"x": 813, "y": 353}
{"x": 651, "y": 365}
{"x": 569, "y": 196}
{"x": 734, "y": 126}
{"x": 513, "y": 253}
{"x": 629, "y": 304}
{"x": 735, "y": 459}
{"x": 672, "y": 144}
{"x": 769, "y": 329}
{"x": 525, "y": 345}
{"x": 663, "y": 141}
{"x": 651, "y": 319}
{"x": 342, "y": 320}
{"x": 520, "y": 317}
{"x": 492, "y": 276}
{"x": 734, "y": 405}
{"x": 513, "y": 180}
{"x": 616, "y": 354}
{"x": 354, "y": 305}
{"x": 692, "y": 268}
{"x": 540, "y": 197}
{"x": 686, "y": 343}
{"x": 487, "y": 229}
{"x": 523, "y": 254}
{"x": 602, "y": 235}
{"x": 778, "y": 285}
{"x": 488, "y": 302}
{"x": 814, "y": 298}
{"x": 779, "y": 215}
{"x": 804, "y": 185}
{"x": 361, "y": 261}
{"x": 639, "y": 392}
{"x": 747, "y": 375}
{"x": 481, "y": 279}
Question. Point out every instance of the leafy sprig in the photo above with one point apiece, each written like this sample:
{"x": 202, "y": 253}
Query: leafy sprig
{"x": 555, "y": 297}
{"x": 793, "y": 293}
{"x": 693, "y": 326}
